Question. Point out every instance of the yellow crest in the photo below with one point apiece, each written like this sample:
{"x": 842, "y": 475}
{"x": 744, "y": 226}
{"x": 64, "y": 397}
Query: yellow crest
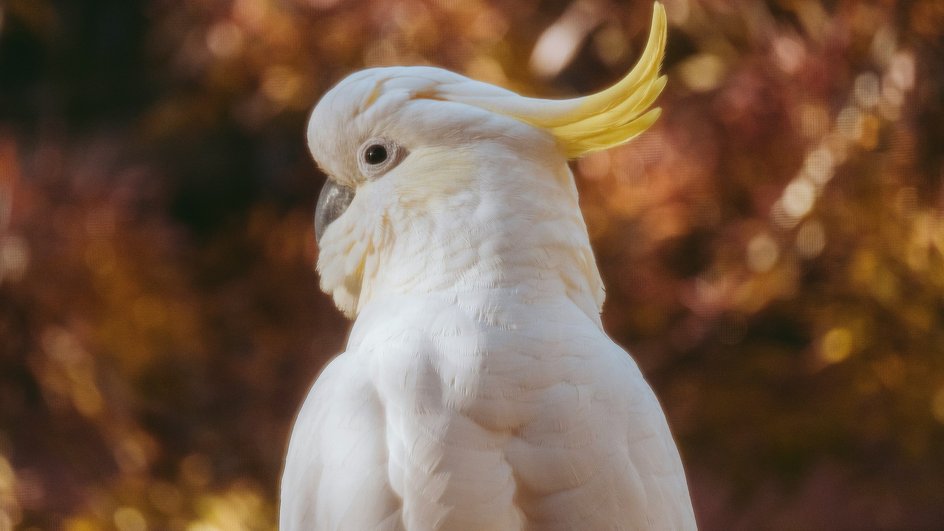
{"x": 617, "y": 114}
{"x": 590, "y": 123}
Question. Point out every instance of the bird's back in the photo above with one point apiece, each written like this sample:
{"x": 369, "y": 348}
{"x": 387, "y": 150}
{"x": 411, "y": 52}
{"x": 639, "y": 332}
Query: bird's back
{"x": 495, "y": 413}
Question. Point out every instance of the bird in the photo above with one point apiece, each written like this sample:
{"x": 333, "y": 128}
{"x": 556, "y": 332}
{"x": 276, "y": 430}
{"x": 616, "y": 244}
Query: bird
{"x": 478, "y": 389}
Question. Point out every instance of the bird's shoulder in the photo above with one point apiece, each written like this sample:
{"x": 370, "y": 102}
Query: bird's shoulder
{"x": 337, "y": 453}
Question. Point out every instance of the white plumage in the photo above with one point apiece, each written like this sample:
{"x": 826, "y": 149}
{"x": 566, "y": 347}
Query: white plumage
{"x": 478, "y": 389}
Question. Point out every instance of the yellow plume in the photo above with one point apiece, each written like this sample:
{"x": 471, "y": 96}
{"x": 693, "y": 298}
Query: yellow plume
{"x": 581, "y": 125}
{"x": 617, "y": 114}
{"x": 591, "y": 123}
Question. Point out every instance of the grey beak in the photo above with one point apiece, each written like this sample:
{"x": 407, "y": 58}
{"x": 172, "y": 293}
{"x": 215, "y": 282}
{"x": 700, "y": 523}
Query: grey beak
{"x": 332, "y": 202}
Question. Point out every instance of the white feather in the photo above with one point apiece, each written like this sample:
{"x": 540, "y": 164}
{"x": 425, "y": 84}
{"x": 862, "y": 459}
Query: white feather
{"x": 478, "y": 389}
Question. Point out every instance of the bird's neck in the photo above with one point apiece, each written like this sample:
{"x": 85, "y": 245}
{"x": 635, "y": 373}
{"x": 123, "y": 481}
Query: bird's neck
{"x": 524, "y": 240}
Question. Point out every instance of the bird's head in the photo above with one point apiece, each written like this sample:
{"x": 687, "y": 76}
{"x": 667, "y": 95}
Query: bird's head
{"x": 424, "y": 164}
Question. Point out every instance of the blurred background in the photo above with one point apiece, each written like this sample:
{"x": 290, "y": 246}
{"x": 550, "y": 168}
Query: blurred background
{"x": 773, "y": 247}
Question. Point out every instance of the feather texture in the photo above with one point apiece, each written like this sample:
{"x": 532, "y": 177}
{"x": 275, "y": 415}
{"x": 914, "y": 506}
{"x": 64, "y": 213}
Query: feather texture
{"x": 535, "y": 420}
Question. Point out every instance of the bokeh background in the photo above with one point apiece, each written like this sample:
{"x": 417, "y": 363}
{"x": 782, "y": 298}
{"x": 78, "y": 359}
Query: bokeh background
{"x": 773, "y": 247}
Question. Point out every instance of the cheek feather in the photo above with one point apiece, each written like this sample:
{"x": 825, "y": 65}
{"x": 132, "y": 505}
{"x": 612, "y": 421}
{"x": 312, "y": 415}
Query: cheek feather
{"x": 428, "y": 182}
{"x": 344, "y": 249}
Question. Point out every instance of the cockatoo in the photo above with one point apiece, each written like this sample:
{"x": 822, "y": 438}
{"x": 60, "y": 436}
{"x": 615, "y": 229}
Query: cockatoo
{"x": 478, "y": 389}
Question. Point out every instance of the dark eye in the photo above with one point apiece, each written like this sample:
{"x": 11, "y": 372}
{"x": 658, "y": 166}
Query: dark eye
{"x": 375, "y": 154}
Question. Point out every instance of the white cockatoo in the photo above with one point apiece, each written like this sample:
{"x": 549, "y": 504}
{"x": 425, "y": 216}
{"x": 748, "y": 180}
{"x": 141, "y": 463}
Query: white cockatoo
{"x": 478, "y": 389}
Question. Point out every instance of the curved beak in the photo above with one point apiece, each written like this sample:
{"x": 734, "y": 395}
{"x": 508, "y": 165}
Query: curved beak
{"x": 332, "y": 202}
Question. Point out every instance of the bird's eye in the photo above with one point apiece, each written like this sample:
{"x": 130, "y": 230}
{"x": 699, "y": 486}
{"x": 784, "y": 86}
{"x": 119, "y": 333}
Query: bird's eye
{"x": 375, "y": 154}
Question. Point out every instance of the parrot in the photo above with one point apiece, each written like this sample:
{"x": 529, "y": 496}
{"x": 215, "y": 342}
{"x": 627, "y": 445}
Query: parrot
{"x": 478, "y": 389}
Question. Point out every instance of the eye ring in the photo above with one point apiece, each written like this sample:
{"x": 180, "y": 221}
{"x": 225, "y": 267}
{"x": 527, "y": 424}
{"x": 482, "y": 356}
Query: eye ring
{"x": 378, "y": 155}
